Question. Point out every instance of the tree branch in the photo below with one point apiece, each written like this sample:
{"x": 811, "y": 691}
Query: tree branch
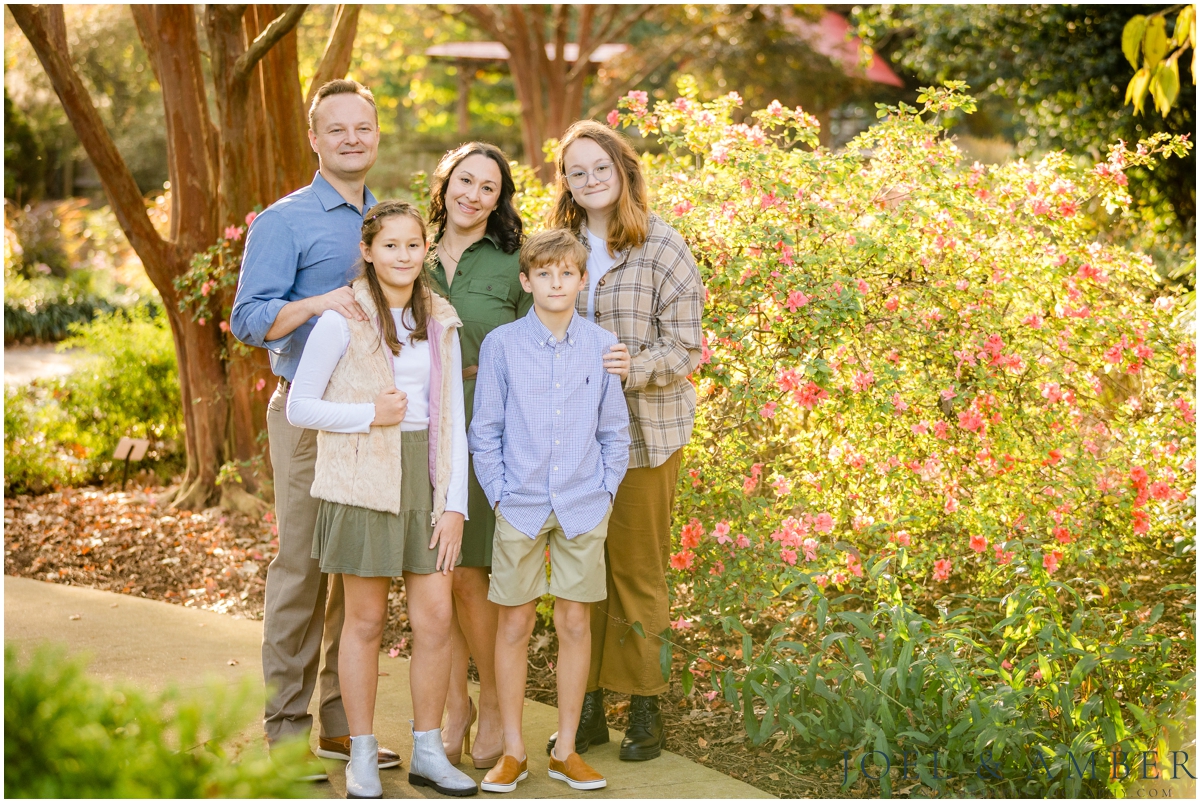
{"x": 336, "y": 59}
{"x": 45, "y": 28}
{"x": 646, "y": 72}
{"x": 607, "y": 33}
{"x": 279, "y": 28}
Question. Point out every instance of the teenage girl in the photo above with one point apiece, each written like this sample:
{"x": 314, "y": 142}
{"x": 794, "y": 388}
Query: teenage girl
{"x": 386, "y": 395}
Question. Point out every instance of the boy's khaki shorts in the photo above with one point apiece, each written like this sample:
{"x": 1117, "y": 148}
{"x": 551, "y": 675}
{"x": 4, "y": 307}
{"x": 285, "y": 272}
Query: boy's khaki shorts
{"x": 519, "y": 565}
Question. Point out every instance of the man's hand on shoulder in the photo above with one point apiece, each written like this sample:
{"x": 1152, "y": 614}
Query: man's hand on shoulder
{"x": 340, "y": 300}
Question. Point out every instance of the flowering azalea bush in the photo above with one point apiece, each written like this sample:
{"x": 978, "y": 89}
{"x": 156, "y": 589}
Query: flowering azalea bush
{"x": 922, "y": 378}
{"x": 207, "y": 289}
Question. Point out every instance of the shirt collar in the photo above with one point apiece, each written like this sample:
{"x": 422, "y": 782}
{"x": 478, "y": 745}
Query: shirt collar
{"x": 542, "y": 335}
{"x": 332, "y": 199}
{"x": 487, "y": 235}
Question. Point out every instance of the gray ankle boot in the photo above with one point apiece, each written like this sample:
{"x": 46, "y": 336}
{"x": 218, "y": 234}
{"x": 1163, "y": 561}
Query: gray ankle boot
{"x": 362, "y": 771}
{"x": 430, "y": 767}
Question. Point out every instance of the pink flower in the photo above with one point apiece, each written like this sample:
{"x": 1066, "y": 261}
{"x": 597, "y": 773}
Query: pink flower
{"x": 224, "y": 326}
{"x": 941, "y": 430}
{"x": 742, "y": 541}
{"x": 862, "y": 286}
{"x": 862, "y": 380}
{"x": 749, "y": 485}
{"x": 260, "y": 384}
{"x": 1006, "y": 664}
{"x": 717, "y": 568}
{"x": 1051, "y": 560}
{"x": 821, "y": 580}
{"x": 941, "y": 569}
{"x": 201, "y": 321}
{"x": 721, "y": 533}
{"x": 1051, "y": 392}
{"x": 789, "y": 556}
{"x": 1141, "y": 522}
{"x": 892, "y": 303}
{"x": 978, "y": 543}
{"x": 768, "y": 410}
{"x": 853, "y": 565}
{"x": 901, "y": 537}
{"x": 1164, "y": 303}
{"x": 682, "y": 209}
{"x": 250, "y": 217}
{"x": 682, "y": 560}
{"x": 233, "y": 233}
{"x": 951, "y": 504}
{"x": 206, "y": 288}
{"x": 796, "y": 300}
{"x": 970, "y": 420}
{"x": 1037, "y": 674}
{"x": 393, "y": 653}
{"x": 782, "y": 486}
{"x": 899, "y": 404}
{"x": 1040, "y": 207}
{"x": 689, "y": 538}
{"x": 681, "y": 624}
{"x": 809, "y": 395}
{"x": 921, "y": 428}
{"x": 823, "y": 523}
{"x": 613, "y": 118}
{"x": 810, "y": 548}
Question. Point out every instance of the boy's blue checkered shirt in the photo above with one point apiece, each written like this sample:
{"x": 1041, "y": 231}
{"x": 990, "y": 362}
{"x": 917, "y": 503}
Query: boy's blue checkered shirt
{"x": 550, "y": 430}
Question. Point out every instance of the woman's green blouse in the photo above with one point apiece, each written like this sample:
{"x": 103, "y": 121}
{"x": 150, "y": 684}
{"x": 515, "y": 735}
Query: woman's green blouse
{"x": 486, "y": 293}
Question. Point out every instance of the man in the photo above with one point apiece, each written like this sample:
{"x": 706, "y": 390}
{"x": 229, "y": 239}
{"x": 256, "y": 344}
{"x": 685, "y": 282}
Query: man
{"x": 300, "y": 254}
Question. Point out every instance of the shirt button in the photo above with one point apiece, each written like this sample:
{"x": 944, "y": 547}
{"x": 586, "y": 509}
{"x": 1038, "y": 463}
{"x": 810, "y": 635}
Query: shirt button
{"x": 556, "y": 468}
{"x": 600, "y": 283}
{"x": 557, "y": 385}
{"x": 556, "y": 443}
{"x": 558, "y": 412}
{"x": 554, "y": 495}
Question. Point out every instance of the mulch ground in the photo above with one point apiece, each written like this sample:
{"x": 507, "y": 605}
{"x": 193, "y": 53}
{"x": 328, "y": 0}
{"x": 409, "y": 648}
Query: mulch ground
{"x": 217, "y": 560}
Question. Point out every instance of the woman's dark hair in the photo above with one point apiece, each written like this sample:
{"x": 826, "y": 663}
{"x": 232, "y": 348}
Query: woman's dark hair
{"x": 504, "y": 223}
{"x": 420, "y": 301}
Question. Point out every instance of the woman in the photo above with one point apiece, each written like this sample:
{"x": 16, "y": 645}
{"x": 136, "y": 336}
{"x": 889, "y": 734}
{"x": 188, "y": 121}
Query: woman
{"x": 474, "y": 264}
{"x": 385, "y": 394}
{"x": 644, "y": 287}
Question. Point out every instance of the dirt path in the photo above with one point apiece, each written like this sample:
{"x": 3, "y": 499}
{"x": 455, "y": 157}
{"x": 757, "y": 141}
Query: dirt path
{"x": 23, "y": 364}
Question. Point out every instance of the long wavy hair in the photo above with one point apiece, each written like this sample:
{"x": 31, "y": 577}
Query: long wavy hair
{"x": 420, "y": 302}
{"x": 631, "y": 223}
{"x": 504, "y": 223}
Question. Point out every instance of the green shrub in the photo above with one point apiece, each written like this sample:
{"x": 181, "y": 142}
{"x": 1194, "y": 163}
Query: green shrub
{"x": 129, "y": 386}
{"x": 39, "y": 443}
{"x": 68, "y": 736}
{"x": 63, "y": 432}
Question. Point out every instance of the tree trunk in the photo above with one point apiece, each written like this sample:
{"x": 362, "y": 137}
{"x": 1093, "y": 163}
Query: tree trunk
{"x": 212, "y": 186}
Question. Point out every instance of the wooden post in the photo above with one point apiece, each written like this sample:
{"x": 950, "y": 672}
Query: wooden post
{"x": 465, "y": 74}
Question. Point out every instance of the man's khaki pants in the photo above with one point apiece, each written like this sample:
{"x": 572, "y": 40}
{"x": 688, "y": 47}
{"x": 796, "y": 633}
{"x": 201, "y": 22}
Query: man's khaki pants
{"x": 637, "y": 551}
{"x": 303, "y": 606}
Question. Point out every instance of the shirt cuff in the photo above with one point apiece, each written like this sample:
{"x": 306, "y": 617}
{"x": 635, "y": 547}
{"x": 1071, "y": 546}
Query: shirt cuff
{"x": 639, "y": 372}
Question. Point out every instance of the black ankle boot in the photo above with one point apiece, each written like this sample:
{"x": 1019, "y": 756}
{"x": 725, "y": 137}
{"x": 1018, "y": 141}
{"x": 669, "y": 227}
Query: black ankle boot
{"x": 593, "y": 727}
{"x": 645, "y": 737}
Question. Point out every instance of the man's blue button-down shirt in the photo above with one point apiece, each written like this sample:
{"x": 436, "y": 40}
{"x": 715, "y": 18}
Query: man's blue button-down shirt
{"x": 303, "y": 245}
{"x": 551, "y": 426}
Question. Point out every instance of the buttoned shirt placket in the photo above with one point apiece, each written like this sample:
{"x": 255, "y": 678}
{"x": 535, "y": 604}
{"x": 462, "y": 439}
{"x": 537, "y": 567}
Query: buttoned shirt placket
{"x": 558, "y": 399}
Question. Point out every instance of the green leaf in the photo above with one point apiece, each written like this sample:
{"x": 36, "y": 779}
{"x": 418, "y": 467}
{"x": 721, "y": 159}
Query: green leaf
{"x": 637, "y": 628}
{"x": 664, "y": 660}
{"x": 1154, "y": 46}
{"x": 688, "y": 681}
{"x": 1155, "y": 614}
{"x": 1167, "y": 85}
{"x": 1136, "y": 92}
{"x": 1131, "y": 39}
{"x": 822, "y": 612}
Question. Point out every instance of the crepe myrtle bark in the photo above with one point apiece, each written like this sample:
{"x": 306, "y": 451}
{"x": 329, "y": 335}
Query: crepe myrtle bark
{"x": 254, "y": 152}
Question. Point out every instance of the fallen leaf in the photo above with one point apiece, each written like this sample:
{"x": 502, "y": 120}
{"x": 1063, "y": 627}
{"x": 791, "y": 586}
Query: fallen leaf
{"x": 75, "y": 616}
{"x": 702, "y": 742}
{"x": 232, "y": 662}
{"x": 774, "y": 776}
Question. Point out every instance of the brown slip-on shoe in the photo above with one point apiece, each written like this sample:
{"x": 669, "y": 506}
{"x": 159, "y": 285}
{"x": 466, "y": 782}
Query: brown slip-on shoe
{"x": 504, "y": 776}
{"x": 576, "y": 772}
{"x": 338, "y": 747}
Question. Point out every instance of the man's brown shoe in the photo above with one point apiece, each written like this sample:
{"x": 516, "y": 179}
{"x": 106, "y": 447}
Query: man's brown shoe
{"x": 338, "y": 747}
{"x": 576, "y": 772}
{"x": 504, "y": 776}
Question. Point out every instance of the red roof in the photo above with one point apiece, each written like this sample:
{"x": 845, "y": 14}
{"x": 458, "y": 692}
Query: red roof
{"x": 494, "y": 51}
{"x": 831, "y": 37}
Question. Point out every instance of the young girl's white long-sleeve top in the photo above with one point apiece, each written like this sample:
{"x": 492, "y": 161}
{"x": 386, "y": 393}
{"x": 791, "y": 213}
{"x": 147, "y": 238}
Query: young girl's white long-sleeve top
{"x": 328, "y": 342}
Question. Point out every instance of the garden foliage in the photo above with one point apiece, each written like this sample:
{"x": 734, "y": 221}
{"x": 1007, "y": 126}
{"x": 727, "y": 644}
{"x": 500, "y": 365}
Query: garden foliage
{"x": 64, "y": 431}
{"x": 67, "y": 736}
{"x": 936, "y": 420}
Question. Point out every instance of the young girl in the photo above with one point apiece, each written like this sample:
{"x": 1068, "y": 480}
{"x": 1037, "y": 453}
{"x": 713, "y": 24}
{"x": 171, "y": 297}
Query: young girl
{"x": 386, "y": 395}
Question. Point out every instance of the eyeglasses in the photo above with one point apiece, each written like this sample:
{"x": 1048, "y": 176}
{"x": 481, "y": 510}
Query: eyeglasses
{"x": 579, "y": 178}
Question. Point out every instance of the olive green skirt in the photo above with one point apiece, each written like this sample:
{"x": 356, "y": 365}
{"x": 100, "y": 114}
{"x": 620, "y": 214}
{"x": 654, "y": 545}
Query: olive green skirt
{"x": 480, "y": 527}
{"x": 373, "y": 543}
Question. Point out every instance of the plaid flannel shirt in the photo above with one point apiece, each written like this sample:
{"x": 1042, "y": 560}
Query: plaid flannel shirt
{"x": 652, "y": 299}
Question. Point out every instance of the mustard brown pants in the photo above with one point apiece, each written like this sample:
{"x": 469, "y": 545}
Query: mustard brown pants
{"x": 637, "y": 555}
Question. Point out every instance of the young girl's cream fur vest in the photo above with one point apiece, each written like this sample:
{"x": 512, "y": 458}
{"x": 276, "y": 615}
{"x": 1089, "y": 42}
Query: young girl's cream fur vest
{"x": 363, "y": 469}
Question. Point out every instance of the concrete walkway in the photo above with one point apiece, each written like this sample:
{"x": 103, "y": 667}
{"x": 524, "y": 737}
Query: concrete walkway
{"x": 154, "y": 645}
{"x": 23, "y": 364}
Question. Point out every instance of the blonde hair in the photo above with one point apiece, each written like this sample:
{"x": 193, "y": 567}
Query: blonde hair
{"x": 419, "y": 303}
{"x": 339, "y": 86}
{"x": 631, "y": 223}
{"x": 550, "y": 246}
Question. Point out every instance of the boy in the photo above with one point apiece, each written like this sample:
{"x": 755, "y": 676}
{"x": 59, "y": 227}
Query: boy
{"x": 550, "y": 439}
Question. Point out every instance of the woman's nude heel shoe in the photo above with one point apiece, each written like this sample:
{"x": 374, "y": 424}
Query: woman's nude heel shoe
{"x": 459, "y": 746}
